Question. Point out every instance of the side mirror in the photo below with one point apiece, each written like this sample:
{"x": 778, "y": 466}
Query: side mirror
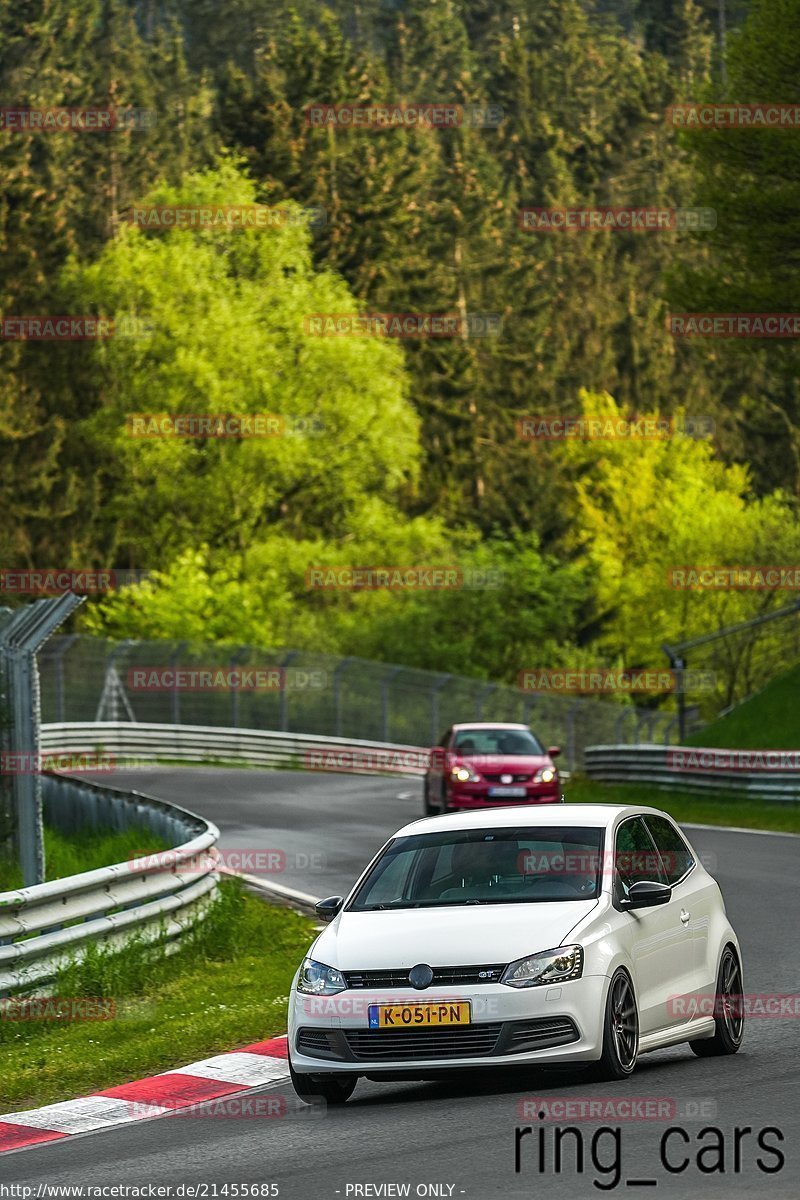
{"x": 647, "y": 894}
{"x": 327, "y": 909}
{"x": 554, "y": 751}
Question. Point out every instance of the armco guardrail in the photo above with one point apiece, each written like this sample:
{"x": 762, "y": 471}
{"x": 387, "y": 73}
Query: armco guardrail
{"x": 262, "y": 747}
{"x": 44, "y": 925}
{"x": 764, "y": 775}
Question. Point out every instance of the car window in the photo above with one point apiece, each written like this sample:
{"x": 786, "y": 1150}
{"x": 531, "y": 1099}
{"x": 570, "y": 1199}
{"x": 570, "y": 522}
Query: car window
{"x": 496, "y": 741}
{"x": 486, "y": 866}
{"x": 675, "y": 854}
{"x": 391, "y": 881}
{"x": 635, "y": 858}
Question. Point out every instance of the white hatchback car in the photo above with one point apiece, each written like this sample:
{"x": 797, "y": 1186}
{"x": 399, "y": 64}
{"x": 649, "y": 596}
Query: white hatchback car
{"x": 577, "y": 934}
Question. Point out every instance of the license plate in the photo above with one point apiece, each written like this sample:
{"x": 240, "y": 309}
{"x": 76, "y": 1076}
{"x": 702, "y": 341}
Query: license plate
{"x": 404, "y": 1016}
{"x": 507, "y": 791}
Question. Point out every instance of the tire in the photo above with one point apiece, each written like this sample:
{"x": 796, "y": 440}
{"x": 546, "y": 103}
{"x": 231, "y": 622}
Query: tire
{"x": 620, "y": 1030}
{"x": 427, "y": 807}
{"x": 728, "y": 1023}
{"x": 333, "y": 1089}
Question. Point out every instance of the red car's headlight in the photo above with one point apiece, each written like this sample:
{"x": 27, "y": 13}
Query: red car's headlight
{"x": 464, "y": 774}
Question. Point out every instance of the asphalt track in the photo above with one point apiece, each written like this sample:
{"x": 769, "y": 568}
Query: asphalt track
{"x": 458, "y": 1137}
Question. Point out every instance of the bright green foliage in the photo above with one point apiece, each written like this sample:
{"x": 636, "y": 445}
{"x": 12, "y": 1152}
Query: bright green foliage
{"x": 642, "y": 507}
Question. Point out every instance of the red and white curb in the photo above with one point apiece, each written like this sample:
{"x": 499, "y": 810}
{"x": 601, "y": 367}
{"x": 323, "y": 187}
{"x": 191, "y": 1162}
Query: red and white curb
{"x": 223, "y": 1075}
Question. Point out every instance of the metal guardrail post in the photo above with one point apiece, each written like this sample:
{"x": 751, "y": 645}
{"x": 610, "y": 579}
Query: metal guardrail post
{"x": 21, "y": 637}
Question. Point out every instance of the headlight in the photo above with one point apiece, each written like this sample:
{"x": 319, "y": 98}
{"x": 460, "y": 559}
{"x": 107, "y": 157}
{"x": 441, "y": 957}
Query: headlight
{"x": 465, "y": 775}
{"x": 315, "y": 979}
{"x": 546, "y": 775}
{"x": 550, "y": 966}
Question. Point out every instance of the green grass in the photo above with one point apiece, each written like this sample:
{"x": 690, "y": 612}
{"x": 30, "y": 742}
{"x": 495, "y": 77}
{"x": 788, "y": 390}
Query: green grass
{"x": 686, "y": 807}
{"x": 70, "y": 854}
{"x": 770, "y": 720}
{"x": 227, "y": 986}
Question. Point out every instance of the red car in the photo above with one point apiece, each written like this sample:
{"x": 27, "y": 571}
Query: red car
{"x": 481, "y": 765}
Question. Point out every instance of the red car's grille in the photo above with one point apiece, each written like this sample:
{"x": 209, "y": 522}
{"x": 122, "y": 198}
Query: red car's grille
{"x": 524, "y": 778}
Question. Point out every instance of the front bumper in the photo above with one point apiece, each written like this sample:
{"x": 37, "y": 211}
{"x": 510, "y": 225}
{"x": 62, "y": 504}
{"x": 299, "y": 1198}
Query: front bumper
{"x": 558, "y": 1024}
{"x": 476, "y": 795}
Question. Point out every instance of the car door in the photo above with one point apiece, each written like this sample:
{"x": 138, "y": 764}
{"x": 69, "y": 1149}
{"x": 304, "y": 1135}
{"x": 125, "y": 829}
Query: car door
{"x": 658, "y": 941}
{"x": 437, "y": 766}
{"x": 697, "y": 892}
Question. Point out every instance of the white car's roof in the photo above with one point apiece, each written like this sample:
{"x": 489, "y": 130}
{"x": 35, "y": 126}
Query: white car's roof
{"x": 603, "y": 815}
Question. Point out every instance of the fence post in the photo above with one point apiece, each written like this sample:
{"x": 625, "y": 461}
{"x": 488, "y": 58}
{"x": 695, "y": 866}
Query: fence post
{"x": 284, "y": 697}
{"x": 337, "y": 693}
{"x": 175, "y": 702}
{"x": 485, "y": 691}
{"x": 56, "y": 655}
{"x": 21, "y": 637}
{"x": 571, "y": 742}
{"x": 436, "y": 688}
{"x": 386, "y": 683}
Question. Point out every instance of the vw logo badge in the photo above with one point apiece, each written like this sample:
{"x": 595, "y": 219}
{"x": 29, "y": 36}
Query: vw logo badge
{"x": 505, "y": 778}
{"x": 420, "y": 976}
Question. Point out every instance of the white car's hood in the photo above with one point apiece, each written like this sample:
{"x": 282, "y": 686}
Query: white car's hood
{"x": 447, "y": 936}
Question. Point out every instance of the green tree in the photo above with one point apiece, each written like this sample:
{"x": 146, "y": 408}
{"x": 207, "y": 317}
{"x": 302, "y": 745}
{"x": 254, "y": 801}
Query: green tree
{"x": 230, "y": 314}
{"x": 642, "y": 507}
{"x": 752, "y": 178}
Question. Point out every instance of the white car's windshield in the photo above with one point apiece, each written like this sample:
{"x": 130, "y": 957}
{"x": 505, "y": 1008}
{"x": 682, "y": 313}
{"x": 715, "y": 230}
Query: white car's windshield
{"x": 485, "y": 866}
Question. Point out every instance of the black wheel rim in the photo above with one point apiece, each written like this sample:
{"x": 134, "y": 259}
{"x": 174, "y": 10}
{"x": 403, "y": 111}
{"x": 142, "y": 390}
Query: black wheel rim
{"x": 624, "y": 1022}
{"x": 731, "y": 1008}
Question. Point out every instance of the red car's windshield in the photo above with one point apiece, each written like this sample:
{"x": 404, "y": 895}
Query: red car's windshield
{"x": 496, "y": 741}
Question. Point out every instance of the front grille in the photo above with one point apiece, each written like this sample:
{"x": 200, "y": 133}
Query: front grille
{"x": 411, "y": 1045}
{"x": 541, "y": 1033}
{"x": 524, "y": 778}
{"x": 494, "y": 1038}
{"x": 442, "y": 977}
{"x": 312, "y": 1039}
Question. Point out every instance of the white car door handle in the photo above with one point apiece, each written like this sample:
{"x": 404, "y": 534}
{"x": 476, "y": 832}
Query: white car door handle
{"x": 685, "y": 916}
